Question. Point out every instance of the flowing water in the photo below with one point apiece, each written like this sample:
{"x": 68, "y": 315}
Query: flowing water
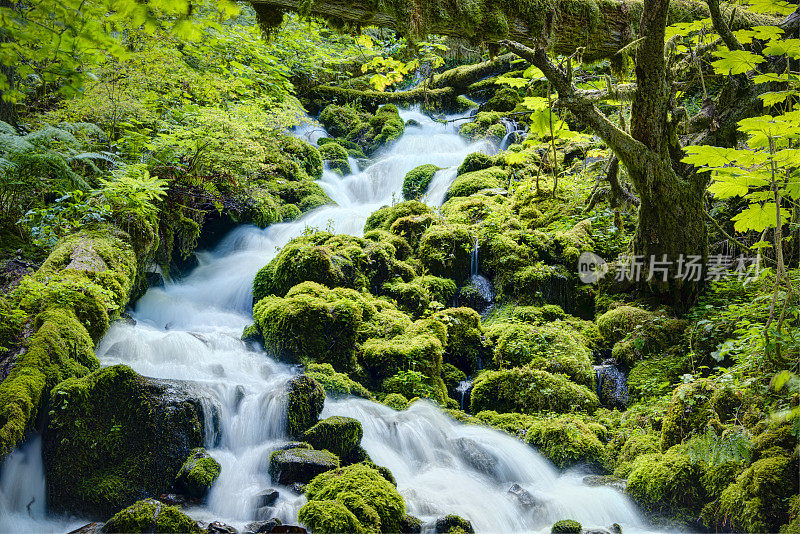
{"x": 190, "y": 330}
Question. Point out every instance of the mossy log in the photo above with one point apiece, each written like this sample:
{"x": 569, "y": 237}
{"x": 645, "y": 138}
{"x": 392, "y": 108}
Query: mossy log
{"x": 599, "y": 27}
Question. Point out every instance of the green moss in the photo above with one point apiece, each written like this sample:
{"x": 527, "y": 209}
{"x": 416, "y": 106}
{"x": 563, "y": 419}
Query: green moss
{"x": 485, "y": 125}
{"x": 305, "y": 399}
{"x": 114, "y": 437}
{"x": 416, "y": 182}
{"x": 472, "y": 182}
{"x": 336, "y": 157}
{"x": 464, "y": 348}
{"x": 669, "y": 482}
{"x": 329, "y": 517}
{"x": 566, "y": 440}
{"x": 452, "y": 376}
{"x": 615, "y": 324}
{"x": 413, "y": 384}
{"x": 336, "y": 384}
{"x": 689, "y": 412}
{"x": 197, "y": 474}
{"x": 759, "y": 499}
{"x": 384, "y": 217}
{"x": 366, "y": 482}
{"x": 551, "y": 347}
{"x": 302, "y": 152}
{"x": 477, "y": 161}
{"x": 566, "y": 526}
{"x": 636, "y": 444}
{"x": 516, "y": 424}
{"x": 505, "y": 99}
{"x": 529, "y": 390}
{"x": 395, "y": 401}
{"x": 299, "y": 465}
{"x": 339, "y": 435}
{"x": 369, "y": 132}
{"x": 445, "y": 251}
{"x": 453, "y": 524}
{"x": 416, "y": 296}
{"x": 151, "y": 516}
{"x": 653, "y": 337}
{"x": 412, "y": 227}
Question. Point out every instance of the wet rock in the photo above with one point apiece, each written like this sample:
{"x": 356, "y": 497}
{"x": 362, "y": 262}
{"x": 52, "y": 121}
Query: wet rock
{"x": 523, "y": 496}
{"x": 150, "y": 515}
{"x": 305, "y": 400}
{"x": 173, "y": 499}
{"x": 218, "y": 527}
{"x": 116, "y": 436}
{"x": 613, "y": 529}
{"x": 617, "y": 483}
{"x": 288, "y": 529}
{"x": 475, "y": 455}
{"x": 294, "y": 445}
{"x": 267, "y": 497}
{"x": 300, "y": 465}
{"x": 297, "y": 487}
{"x": 91, "y": 528}
{"x": 454, "y": 524}
{"x": 261, "y": 527}
{"x": 410, "y": 525}
{"x": 612, "y": 385}
{"x": 197, "y": 474}
{"x": 566, "y": 526}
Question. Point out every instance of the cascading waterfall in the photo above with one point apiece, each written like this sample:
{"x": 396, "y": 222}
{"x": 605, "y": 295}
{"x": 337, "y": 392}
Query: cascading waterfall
{"x": 190, "y": 330}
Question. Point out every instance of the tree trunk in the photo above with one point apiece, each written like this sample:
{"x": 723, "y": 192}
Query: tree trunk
{"x": 600, "y": 29}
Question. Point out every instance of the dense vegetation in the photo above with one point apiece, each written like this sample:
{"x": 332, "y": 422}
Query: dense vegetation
{"x": 134, "y": 133}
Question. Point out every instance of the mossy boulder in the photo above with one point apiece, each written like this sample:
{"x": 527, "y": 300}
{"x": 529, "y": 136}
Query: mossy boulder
{"x": 395, "y": 401}
{"x": 336, "y": 384}
{"x": 414, "y": 385}
{"x": 337, "y": 434}
{"x": 300, "y": 465}
{"x": 366, "y": 483}
{"x": 668, "y": 482}
{"x": 759, "y": 500}
{"x": 417, "y": 180}
{"x": 314, "y": 324}
{"x": 505, "y": 99}
{"x": 197, "y": 474}
{"x": 453, "y": 524}
{"x": 417, "y": 295}
{"x": 566, "y": 440}
{"x": 411, "y": 227}
{"x": 636, "y": 444}
{"x": 477, "y": 161}
{"x": 384, "y": 217}
{"x": 566, "y": 526}
{"x": 554, "y": 347}
{"x": 465, "y": 347}
{"x": 368, "y": 131}
{"x": 617, "y": 323}
{"x": 485, "y": 125}
{"x": 445, "y": 250}
{"x": 472, "y": 182}
{"x": 529, "y": 390}
{"x": 329, "y": 517}
{"x": 690, "y": 412}
{"x": 335, "y": 156}
{"x": 150, "y": 516}
{"x": 661, "y": 335}
{"x": 114, "y": 437}
{"x": 305, "y": 399}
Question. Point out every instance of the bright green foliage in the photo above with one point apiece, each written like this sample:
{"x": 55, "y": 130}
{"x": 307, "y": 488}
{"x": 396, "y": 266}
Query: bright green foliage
{"x": 365, "y": 482}
{"x": 566, "y": 526}
{"x": 617, "y": 323}
{"x": 329, "y": 517}
{"x": 690, "y": 411}
{"x": 486, "y": 125}
{"x": 465, "y": 348}
{"x": 339, "y": 435}
{"x": 151, "y": 516}
{"x": 336, "y": 384}
{"x": 667, "y": 482}
{"x": 197, "y": 474}
{"x": 529, "y": 390}
{"x": 445, "y": 250}
{"x": 396, "y": 401}
{"x": 416, "y": 182}
{"x": 412, "y": 384}
{"x": 566, "y": 440}
{"x": 516, "y": 424}
{"x": 114, "y": 437}
{"x": 305, "y": 399}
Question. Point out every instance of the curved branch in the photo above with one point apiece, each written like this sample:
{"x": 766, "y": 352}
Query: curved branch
{"x": 722, "y": 27}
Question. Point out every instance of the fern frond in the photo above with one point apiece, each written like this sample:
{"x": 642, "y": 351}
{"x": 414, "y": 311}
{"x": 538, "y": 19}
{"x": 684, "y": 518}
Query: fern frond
{"x": 6, "y": 128}
{"x": 47, "y": 135}
{"x": 11, "y": 144}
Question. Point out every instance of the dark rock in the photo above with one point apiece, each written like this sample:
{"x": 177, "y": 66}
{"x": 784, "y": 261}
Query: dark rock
{"x": 410, "y": 525}
{"x": 267, "y": 498}
{"x": 300, "y": 465}
{"x": 294, "y": 445}
{"x": 613, "y": 529}
{"x": 475, "y": 455}
{"x": 115, "y": 437}
{"x": 91, "y": 528}
{"x": 523, "y": 496}
{"x": 197, "y": 474}
{"x": 612, "y": 385}
{"x": 305, "y": 400}
{"x": 297, "y": 487}
{"x": 453, "y": 523}
{"x": 261, "y": 527}
{"x": 173, "y": 499}
{"x": 619, "y": 484}
{"x": 288, "y": 529}
{"x": 217, "y": 527}
{"x": 154, "y": 279}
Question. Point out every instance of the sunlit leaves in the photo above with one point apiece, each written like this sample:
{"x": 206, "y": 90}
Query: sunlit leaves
{"x": 758, "y": 217}
{"x": 780, "y": 47}
{"x": 516, "y": 83}
{"x": 779, "y": 7}
{"x": 735, "y": 61}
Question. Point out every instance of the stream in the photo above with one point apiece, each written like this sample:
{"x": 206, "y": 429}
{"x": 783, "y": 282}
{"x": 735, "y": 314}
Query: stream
{"x": 190, "y": 330}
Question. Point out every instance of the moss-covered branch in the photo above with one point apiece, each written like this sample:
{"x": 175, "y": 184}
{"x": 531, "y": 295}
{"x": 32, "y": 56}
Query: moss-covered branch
{"x": 599, "y": 27}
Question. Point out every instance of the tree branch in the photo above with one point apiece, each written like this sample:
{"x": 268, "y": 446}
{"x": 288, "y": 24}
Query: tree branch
{"x": 721, "y": 26}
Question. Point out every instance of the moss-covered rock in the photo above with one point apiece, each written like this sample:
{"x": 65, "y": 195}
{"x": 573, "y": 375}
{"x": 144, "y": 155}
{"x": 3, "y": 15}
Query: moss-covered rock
{"x": 472, "y": 182}
{"x": 384, "y": 217}
{"x": 368, "y": 131}
{"x": 566, "y": 526}
{"x": 636, "y": 444}
{"x": 759, "y": 500}
{"x": 617, "y": 323}
{"x": 329, "y": 517}
{"x": 395, "y": 401}
{"x": 505, "y": 99}
{"x": 464, "y": 348}
{"x": 553, "y": 347}
{"x": 336, "y": 156}
{"x": 337, "y": 434}
{"x": 300, "y": 465}
{"x": 566, "y": 440}
{"x": 151, "y": 516}
{"x": 485, "y": 125}
{"x": 452, "y": 377}
{"x": 445, "y": 251}
{"x": 314, "y": 324}
{"x": 669, "y": 482}
{"x": 477, "y": 161}
{"x": 529, "y": 390}
{"x": 197, "y": 474}
{"x": 689, "y": 412}
{"x": 657, "y": 336}
{"x": 336, "y": 384}
{"x": 417, "y": 295}
{"x": 417, "y": 180}
{"x": 305, "y": 399}
{"x": 365, "y": 482}
{"x": 453, "y": 524}
{"x": 414, "y": 385}
{"x": 115, "y": 437}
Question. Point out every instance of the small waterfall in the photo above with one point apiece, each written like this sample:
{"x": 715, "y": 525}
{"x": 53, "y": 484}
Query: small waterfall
{"x": 514, "y": 133}
{"x": 464, "y": 389}
{"x": 612, "y": 385}
{"x": 479, "y": 293}
{"x": 473, "y": 265}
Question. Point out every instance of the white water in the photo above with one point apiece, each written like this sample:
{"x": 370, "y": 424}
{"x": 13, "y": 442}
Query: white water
{"x": 190, "y": 331}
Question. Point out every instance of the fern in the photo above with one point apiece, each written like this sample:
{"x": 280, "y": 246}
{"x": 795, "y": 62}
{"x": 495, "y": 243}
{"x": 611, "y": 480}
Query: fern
{"x": 6, "y": 128}
{"x": 49, "y": 134}
{"x": 732, "y": 446}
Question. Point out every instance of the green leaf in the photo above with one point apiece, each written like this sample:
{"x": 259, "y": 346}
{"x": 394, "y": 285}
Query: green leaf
{"x": 735, "y": 61}
{"x": 708, "y": 156}
{"x": 776, "y": 97}
{"x": 758, "y": 217}
{"x": 784, "y": 47}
